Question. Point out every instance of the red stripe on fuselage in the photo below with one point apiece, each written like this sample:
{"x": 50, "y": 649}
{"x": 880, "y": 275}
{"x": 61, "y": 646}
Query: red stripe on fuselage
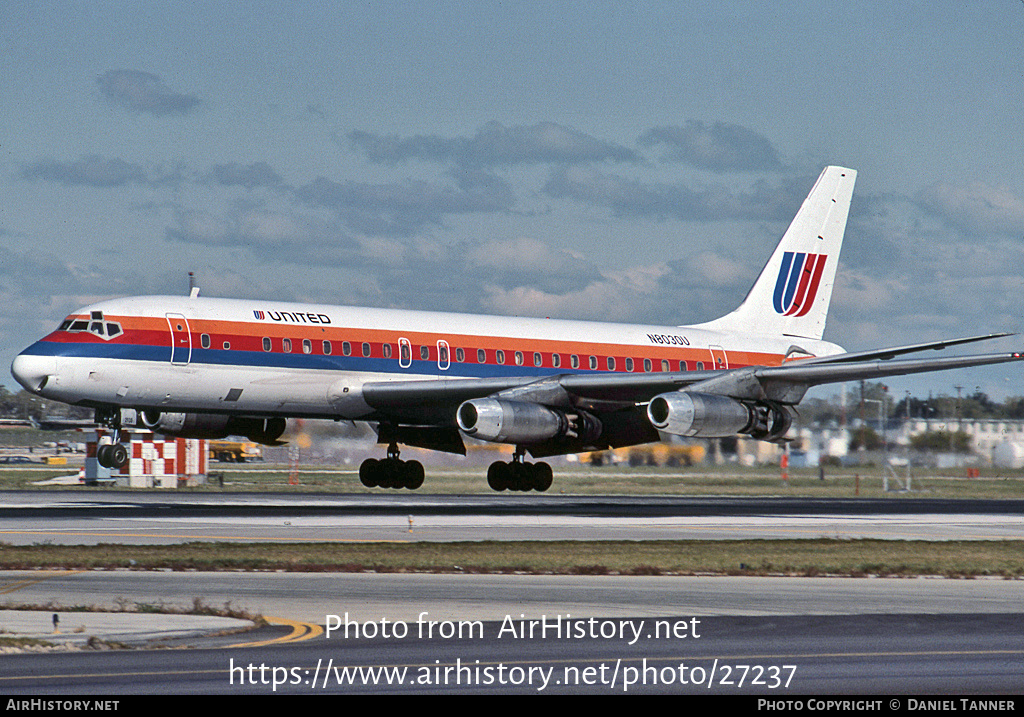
{"x": 248, "y": 336}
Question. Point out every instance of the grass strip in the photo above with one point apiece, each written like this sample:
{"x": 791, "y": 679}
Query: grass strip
{"x": 821, "y": 556}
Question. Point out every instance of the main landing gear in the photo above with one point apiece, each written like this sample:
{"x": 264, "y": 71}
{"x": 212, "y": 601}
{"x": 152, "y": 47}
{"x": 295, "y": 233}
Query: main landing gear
{"x": 391, "y": 472}
{"x": 519, "y": 475}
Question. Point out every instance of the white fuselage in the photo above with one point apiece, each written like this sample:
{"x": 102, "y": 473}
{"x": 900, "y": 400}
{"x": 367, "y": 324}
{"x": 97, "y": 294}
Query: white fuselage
{"x": 271, "y": 358}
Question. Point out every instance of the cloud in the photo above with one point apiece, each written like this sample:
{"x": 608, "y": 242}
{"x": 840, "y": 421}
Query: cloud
{"x": 404, "y": 208}
{"x": 274, "y": 235}
{"x": 494, "y": 145}
{"x": 250, "y": 176}
{"x": 92, "y": 171}
{"x": 96, "y": 171}
{"x": 614, "y": 296}
{"x": 975, "y": 208}
{"x": 627, "y": 197}
{"x": 525, "y": 262}
{"x": 144, "y": 92}
{"x": 720, "y": 147}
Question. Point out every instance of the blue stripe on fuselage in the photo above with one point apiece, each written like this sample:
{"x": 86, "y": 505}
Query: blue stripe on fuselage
{"x": 246, "y": 359}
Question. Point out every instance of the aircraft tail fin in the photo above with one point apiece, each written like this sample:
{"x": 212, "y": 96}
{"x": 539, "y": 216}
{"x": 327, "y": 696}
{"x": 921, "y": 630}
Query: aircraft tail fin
{"x": 792, "y": 294}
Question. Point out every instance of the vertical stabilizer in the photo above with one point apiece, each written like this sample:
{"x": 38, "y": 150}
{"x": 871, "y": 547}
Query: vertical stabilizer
{"x": 792, "y": 294}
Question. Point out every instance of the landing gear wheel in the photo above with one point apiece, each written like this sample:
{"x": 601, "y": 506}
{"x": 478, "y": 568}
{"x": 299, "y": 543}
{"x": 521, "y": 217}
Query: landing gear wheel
{"x": 543, "y": 477}
{"x": 368, "y": 472}
{"x": 414, "y": 475}
{"x": 118, "y": 456}
{"x": 499, "y": 476}
{"x": 103, "y": 455}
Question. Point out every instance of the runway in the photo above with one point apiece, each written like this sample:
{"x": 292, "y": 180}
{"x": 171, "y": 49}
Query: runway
{"x": 164, "y": 518}
{"x": 784, "y": 635}
{"x": 551, "y": 634}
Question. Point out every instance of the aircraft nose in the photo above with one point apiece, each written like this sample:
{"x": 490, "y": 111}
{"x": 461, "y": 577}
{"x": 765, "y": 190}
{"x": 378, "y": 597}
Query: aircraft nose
{"x": 33, "y": 372}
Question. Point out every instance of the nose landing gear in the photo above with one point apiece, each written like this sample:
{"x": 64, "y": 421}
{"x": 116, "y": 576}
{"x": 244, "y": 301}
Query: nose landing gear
{"x": 114, "y": 454}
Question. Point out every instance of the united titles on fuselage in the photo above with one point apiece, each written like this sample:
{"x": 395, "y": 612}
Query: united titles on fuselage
{"x": 292, "y": 317}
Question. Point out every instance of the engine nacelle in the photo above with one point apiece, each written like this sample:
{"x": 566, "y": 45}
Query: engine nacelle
{"x": 706, "y": 415}
{"x": 213, "y": 425}
{"x": 703, "y": 415}
{"x": 510, "y": 421}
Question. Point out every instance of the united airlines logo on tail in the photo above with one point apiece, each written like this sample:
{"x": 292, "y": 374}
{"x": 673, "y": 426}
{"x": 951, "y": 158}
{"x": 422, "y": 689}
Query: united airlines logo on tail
{"x": 798, "y": 282}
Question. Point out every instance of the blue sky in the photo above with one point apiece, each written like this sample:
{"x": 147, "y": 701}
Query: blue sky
{"x": 623, "y": 161}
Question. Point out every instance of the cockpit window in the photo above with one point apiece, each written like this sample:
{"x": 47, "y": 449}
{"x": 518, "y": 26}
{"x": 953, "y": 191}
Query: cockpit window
{"x": 104, "y": 329}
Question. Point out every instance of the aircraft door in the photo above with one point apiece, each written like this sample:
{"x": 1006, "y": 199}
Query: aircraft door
{"x": 181, "y": 339}
{"x": 719, "y": 359}
{"x": 443, "y": 356}
{"x": 404, "y": 353}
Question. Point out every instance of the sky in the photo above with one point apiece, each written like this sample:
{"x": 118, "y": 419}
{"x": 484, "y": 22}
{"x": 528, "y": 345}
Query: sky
{"x": 624, "y": 161}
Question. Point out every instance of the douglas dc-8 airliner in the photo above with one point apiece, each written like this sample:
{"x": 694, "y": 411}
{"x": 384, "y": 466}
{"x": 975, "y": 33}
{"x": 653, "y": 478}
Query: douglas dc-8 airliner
{"x": 207, "y": 367}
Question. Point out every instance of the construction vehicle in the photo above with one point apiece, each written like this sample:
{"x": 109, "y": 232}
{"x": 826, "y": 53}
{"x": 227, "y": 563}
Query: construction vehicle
{"x": 235, "y": 451}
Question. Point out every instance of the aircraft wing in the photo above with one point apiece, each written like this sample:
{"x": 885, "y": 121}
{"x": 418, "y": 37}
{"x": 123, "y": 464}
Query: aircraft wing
{"x": 889, "y": 353}
{"x": 776, "y": 383}
{"x": 623, "y": 406}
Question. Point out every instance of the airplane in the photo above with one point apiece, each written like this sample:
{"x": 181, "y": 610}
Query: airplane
{"x": 206, "y": 367}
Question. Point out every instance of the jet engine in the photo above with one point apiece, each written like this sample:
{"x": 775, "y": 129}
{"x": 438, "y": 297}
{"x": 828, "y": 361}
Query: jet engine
{"x": 213, "y": 425}
{"x": 501, "y": 421}
{"x": 707, "y": 415}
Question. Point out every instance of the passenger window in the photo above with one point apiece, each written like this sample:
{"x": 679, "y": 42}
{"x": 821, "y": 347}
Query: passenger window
{"x": 664, "y": 365}
{"x": 346, "y": 348}
{"x": 266, "y": 344}
{"x": 204, "y": 340}
{"x": 629, "y": 364}
{"x": 700, "y": 365}
{"x": 404, "y": 353}
{"x": 366, "y": 349}
{"x": 611, "y": 363}
{"x": 386, "y": 348}
{"x": 481, "y": 356}
{"x": 424, "y": 352}
{"x": 460, "y": 355}
{"x": 574, "y": 361}
{"x": 519, "y": 358}
{"x": 286, "y": 345}
{"x": 556, "y": 360}
{"x": 648, "y": 366}
{"x": 307, "y": 346}
{"x": 500, "y": 356}
{"x": 327, "y": 348}
{"x": 227, "y": 345}
{"x": 537, "y": 359}
{"x": 593, "y": 363}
